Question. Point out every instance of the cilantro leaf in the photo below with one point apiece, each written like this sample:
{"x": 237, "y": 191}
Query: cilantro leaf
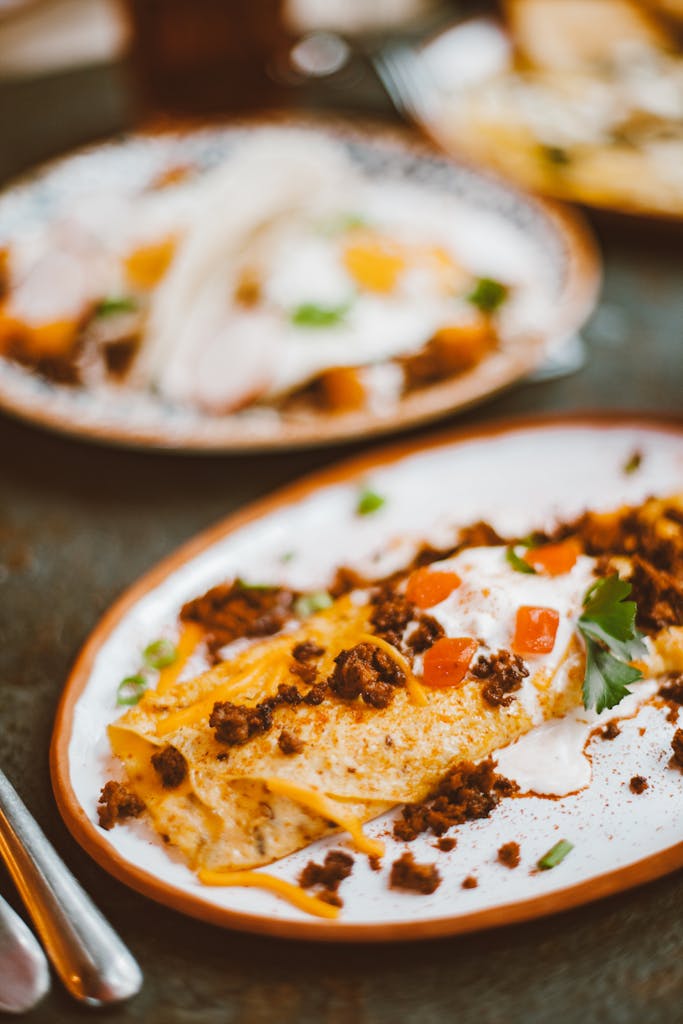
{"x": 310, "y": 314}
{"x": 114, "y": 304}
{"x": 517, "y": 563}
{"x": 607, "y": 679}
{"x": 608, "y": 626}
{"x": 488, "y": 295}
{"x": 608, "y": 618}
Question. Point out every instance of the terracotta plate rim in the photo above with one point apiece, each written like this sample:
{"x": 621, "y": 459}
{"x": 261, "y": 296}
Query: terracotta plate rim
{"x": 87, "y": 835}
{"x": 578, "y": 298}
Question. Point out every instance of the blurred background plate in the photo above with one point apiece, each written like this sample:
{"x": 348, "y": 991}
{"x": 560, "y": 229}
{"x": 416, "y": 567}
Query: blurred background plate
{"x": 125, "y": 417}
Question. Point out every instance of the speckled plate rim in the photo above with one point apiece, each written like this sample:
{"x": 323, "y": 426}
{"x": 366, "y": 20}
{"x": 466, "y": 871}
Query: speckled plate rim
{"x": 87, "y": 835}
{"x": 211, "y": 435}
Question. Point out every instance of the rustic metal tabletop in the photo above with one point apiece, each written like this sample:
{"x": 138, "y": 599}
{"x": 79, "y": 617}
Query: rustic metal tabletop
{"x": 78, "y": 523}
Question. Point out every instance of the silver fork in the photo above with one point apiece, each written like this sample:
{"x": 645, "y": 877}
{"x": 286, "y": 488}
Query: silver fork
{"x": 87, "y": 954}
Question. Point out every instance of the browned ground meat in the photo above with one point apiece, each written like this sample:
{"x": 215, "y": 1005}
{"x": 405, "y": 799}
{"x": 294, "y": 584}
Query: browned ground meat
{"x": 304, "y": 661}
{"x": 337, "y": 866}
{"x": 638, "y": 784}
{"x": 117, "y": 803}
{"x": 347, "y": 579}
{"x": 289, "y": 743}
{"x": 170, "y": 765}
{"x": 658, "y": 595}
{"x": 672, "y": 690}
{"x": 447, "y": 843}
{"x": 610, "y": 731}
{"x": 307, "y": 650}
{"x": 232, "y": 610}
{"x": 406, "y": 873}
{"x": 234, "y": 724}
{"x": 316, "y": 694}
{"x": 503, "y": 672}
{"x": 391, "y": 615}
{"x": 368, "y": 672}
{"x": 331, "y": 897}
{"x": 509, "y": 854}
{"x": 470, "y": 882}
{"x": 677, "y": 747}
{"x": 467, "y": 792}
{"x": 375, "y": 862}
{"x": 425, "y": 635}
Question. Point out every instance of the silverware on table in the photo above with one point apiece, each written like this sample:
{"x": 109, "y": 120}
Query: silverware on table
{"x": 24, "y": 973}
{"x": 85, "y": 951}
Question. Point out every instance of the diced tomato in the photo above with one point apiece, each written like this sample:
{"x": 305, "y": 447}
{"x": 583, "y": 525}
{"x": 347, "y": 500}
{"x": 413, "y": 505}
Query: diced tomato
{"x": 553, "y": 559}
{"x": 447, "y": 661}
{"x": 535, "y": 630}
{"x": 426, "y": 588}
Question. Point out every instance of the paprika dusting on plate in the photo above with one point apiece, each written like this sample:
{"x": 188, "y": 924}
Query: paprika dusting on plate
{"x": 535, "y": 630}
{"x": 553, "y": 559}
{"x": 426, "y": 588}
{"x": 447, "y": 661}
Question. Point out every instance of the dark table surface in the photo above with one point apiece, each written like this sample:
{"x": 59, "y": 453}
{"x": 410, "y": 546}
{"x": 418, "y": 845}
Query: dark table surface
{"x": 79, "y": 523}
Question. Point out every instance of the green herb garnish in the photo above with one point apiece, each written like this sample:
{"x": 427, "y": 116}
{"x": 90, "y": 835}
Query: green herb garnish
{"x": 287, "y": 556}
{"x": 130, "y": 690}
{"x": 113, "y": 305}
{"x": 343, "y": 222}
{"x": 369, "y": 502}
{"x": 243, "y": 585}
{"x": 633, "y": 462}
{"x": 309, "y": 604}
{"x": 517, "y": 563}
{"x": 159, "y": 654}
{"x": 310, "y": 314}
{"x": 608, "y": 626}
{"x": 488, "y": 295}
{"x": 555, "y": 855}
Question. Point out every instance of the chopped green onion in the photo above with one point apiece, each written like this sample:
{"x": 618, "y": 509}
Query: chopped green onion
{"x": 287, "y": 556}
{"x": 309, "y": 314}
{"x": 369, "y": 502}
{"x": 130, "y": 690}
{"x": 633, "y": 463}
{"x": 114, "y": 304}
{"x": 555, "y": 855}
{"x": 488, "y": 295}
{"x": 243, "y": 585}
{"x": 160, "y": 653}
{"x": 309, "y": 604}
{"x": 517, "y": 563}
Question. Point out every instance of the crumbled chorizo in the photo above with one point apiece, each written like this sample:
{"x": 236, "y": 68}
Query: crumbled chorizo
{"x": 677, "y": 747}
{"x": 610, "y": 731}
{"x": 234, "y": 724}
{"x": 470, "y": 882}
{"x": 337, "y": 866}
{"x": 425, "y": 634}
{"x": 638, "y": 784}
{"x": 509, "y": 854}
{"x": 504, "y": 673}
{"x": 171, "y": 766}
{"x": 406, "y": 873}
{"x": 368, "y": 672}
{"x": 116, "y": 803}
{"x": 447, "y": 843}
{"x": 231, "y": 611}
{"x": 390, "y": 616}
{"x": 467, "y": 792}
{"x": 289, "y": 743}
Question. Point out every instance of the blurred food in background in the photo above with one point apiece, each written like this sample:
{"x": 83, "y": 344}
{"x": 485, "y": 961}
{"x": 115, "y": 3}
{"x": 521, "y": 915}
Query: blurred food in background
{"x": 581, "y": 99}
{"x": 283, "y": 275}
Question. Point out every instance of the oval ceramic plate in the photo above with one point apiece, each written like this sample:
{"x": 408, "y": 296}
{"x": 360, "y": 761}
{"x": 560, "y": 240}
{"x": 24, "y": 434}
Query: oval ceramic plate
{"x": 123, "y": 416}
{"x": 518, "y": 477}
